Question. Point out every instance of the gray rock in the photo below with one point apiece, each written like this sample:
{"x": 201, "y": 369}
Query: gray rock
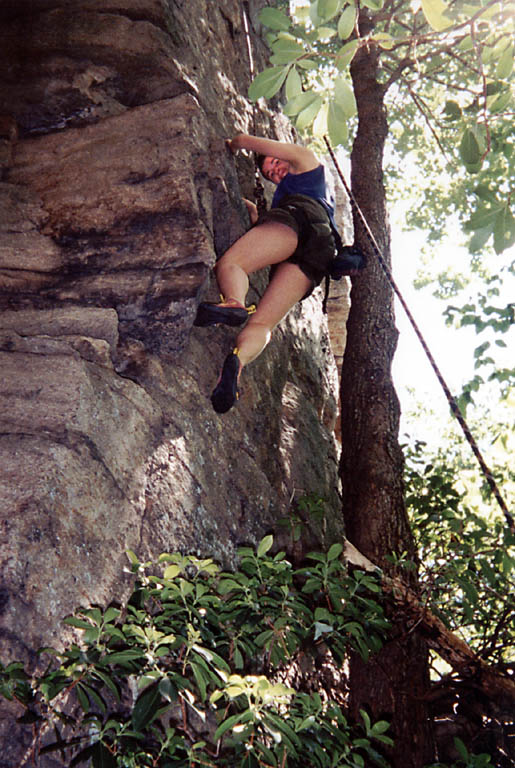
{"x": 118, "y": 195}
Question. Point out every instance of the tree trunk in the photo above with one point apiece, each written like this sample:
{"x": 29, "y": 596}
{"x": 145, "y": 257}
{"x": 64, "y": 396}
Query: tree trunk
{"x": 393, "y": 684}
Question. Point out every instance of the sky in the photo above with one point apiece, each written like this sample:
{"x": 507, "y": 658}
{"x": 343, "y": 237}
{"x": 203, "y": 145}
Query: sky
{"x": 453, "y": 350}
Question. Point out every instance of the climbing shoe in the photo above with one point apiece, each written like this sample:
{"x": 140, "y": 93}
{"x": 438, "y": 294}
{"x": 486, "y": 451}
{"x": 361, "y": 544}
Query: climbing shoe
{"x": 213, "y": 314}
{"x": 226, "y": 391}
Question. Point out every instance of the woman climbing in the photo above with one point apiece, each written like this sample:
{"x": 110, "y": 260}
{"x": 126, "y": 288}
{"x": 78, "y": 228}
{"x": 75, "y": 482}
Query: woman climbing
{"x": 296, "y": 237}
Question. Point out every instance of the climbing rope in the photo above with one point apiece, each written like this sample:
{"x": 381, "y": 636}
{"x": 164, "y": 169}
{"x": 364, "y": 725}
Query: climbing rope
{"x": 450, "y": 398}
{"x": 259, "y": 190}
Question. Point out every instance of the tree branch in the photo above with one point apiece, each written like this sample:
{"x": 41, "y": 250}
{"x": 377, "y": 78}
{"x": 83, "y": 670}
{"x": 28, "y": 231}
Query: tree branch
{"x": 449, "y": 646}
{"x": 423, "y": 111}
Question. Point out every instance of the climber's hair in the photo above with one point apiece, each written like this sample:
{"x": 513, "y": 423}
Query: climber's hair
{"x": 260, "y": 159}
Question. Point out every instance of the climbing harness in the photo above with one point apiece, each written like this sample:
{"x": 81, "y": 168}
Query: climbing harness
{"x": 450, "y": 398}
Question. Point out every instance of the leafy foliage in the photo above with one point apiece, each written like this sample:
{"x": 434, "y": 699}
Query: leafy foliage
{"x": 196, "y": 669}
{"x": 467, "y": 569}
{"x": 447, "y": 69}
{"x": 468, "y": 561}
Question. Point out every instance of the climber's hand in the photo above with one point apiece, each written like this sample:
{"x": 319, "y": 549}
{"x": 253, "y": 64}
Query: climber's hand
{"x": 230, "y": 144}
{"x": 252, "y": 210}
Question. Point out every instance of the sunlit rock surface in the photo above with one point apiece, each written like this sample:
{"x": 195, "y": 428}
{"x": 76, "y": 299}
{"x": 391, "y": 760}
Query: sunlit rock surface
{"x": 117, "y": 194}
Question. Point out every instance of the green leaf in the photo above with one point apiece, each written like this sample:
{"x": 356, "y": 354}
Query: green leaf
{"x": 111, "y": 614}
{"x": 293, "y": 85}
{"x": 334, "y": 551}
{"x": 347, "y": 22}
{"x": 346, "y": 54}
{"x": 307, "y": 64}
{"x": 484, "y": 217}
{"x": 104, "y": 677}
{"x": 200, "y": 679}
{"x": 228, "y": 585}
{"x": 462, "y": 749}
{"x": 286, "y": 730}
{"x": 238, "y": 659}
{"x": 366, "y": 719}
{"x": 167, "y": 689}
{"x": 73, "y": 621}
{"x": 231, "y": 722}
{"x": 132, "y": 557}
{"x": 327, "y": 9}
{"x": 380, "y": 727}
{"x": 267, "y": 83}
{"x": 94, "y": 614}
{"x": 264, "y": 545}
{"x": 274, "y": 19}
{"x": 286, "y": 51}
{"x": 321, "y": 629}
{"x": 466, "y": 44}
{"x": 212, "y": 657}
{"x": 499, "y": 102}
{"x": 186, "y": 587}
{"x": 505, "y": 64}
{"x": 269, "y": 756}
{"x": 374, "y": 5}
{"x": 325, "y": 33}
{"x": 83, "y": 698}
{"x": 469, "y": 147}
{"x": 484, "y": 192}
{"x": 93, "y": 695}
{"x": 344, "y": 96}
{"x": 101, "y": 757}
{"x": 320, "y": 130}
{"x": 384, "y": 40}
{"x": 215, "y": 696}
{"x": 146, "y": 707}
{"x": 504, "y": 229}
{"x": 298, "y": 103}
{"x": 171, "y": 572}
{"x": 123, "y": 657}
{"x": 479, "y": 239}
{"x": 308, "y": 114}
{"x": 434, "y": 11}
{"x": 264, "y": 637}
{"x": 314, "y": 16}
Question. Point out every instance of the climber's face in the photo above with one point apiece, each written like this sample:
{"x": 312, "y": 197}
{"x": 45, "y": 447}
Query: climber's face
{"x": 274, "y": 169}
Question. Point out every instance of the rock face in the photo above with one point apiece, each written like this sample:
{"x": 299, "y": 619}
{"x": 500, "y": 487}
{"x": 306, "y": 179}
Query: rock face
{"x": 117, "y": 194}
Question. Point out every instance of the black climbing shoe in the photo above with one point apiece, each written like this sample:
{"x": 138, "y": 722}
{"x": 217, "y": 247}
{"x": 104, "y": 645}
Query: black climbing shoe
{"x": 226, "y": 392}
{"x": 213, "y": 314}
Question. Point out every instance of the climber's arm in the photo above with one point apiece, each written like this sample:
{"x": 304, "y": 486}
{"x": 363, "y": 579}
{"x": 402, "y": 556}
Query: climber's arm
{"x": 301, "y": 158}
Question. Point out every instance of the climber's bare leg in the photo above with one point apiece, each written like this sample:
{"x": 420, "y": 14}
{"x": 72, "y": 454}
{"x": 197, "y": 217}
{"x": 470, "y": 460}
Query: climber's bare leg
{"x": 260, "y": 247}
{"x": 288, "y": 285}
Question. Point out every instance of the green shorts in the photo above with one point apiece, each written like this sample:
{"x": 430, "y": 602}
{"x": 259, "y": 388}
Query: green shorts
{"x": 310, "y": 222}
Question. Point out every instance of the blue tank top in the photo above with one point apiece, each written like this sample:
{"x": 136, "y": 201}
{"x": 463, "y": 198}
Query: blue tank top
{"x": 311, "y": 183}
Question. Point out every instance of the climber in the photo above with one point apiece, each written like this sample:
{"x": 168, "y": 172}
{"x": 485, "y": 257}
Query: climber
{"x": 295, "y": 237}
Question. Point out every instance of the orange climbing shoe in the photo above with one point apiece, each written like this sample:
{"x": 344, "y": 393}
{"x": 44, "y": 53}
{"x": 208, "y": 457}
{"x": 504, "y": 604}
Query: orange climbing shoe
{"x": 214, "y": 314}
{"x": 226, "y": 391}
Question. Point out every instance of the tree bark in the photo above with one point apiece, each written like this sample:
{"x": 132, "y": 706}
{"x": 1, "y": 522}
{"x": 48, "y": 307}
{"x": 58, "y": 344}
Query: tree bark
{"x": 455, "y": 651}
{"x": 394, "y": 683}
